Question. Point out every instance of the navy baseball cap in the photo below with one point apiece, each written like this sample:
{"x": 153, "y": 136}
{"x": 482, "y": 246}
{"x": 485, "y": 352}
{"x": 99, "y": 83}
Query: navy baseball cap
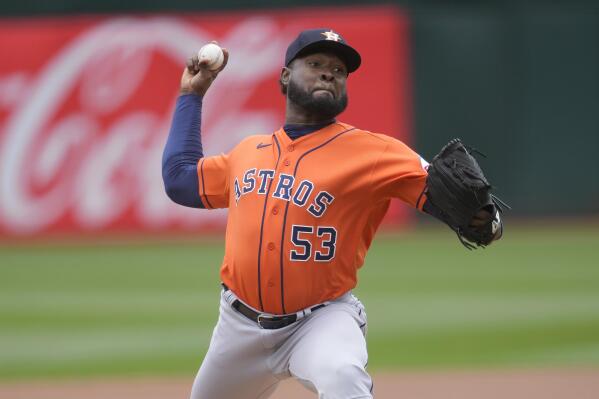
{"x": 323, "y": 40}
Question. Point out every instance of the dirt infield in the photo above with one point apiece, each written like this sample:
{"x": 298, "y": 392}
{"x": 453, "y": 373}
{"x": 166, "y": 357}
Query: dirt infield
{"x": 521, "y": 384}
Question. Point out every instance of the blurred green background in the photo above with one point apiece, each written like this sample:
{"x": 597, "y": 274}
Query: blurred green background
{"x": 82, "y": 309}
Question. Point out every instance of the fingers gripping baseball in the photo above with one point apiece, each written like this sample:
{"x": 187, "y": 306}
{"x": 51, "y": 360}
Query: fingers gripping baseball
{"x": 197, "y": 76}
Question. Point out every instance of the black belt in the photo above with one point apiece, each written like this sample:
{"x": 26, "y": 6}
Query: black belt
{"x": 267, "y": 322}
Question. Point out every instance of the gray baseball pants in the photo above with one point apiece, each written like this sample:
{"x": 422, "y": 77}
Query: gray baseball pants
{"x": 325, "y": 351}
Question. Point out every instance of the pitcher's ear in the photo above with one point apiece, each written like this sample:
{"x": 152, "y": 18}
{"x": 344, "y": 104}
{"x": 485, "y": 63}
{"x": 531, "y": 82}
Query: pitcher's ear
{"x": 285, "y": 74}
{"x": 284, "y": 79}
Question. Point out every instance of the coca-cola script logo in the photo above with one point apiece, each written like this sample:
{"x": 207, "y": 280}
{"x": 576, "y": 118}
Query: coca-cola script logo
{"x": 86, "y": 105}
{"x": 83, "y": 133}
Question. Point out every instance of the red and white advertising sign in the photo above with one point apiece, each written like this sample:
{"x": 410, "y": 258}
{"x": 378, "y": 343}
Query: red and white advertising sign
{"x": 86, "y": 105}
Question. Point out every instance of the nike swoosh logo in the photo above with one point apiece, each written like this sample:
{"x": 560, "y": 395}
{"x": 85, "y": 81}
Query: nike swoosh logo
{"x": 263, "y": 145}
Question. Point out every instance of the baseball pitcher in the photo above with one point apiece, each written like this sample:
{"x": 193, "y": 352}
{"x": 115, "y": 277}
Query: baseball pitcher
{"x": 304, "y": 205}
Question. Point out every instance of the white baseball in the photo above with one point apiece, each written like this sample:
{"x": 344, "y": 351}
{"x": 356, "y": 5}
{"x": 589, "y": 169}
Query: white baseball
{"x": 213, "y": 55}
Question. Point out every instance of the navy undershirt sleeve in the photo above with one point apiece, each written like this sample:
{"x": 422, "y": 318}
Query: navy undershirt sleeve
{"x": 182, "y": 152}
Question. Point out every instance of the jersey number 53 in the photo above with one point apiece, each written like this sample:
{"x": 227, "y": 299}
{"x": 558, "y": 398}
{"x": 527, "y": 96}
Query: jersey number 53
{"x": 304, "y": 238}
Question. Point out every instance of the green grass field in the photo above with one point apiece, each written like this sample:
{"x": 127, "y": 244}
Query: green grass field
{"x": 149, "y": 307}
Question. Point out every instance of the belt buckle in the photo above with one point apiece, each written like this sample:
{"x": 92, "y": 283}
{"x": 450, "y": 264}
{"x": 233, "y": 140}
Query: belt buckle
{"x": 260, "y": 318}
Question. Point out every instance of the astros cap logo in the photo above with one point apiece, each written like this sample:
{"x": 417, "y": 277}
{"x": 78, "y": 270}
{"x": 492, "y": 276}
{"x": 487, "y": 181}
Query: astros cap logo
{"x": 330, "y": 35}
{"x": 323, "y": 40}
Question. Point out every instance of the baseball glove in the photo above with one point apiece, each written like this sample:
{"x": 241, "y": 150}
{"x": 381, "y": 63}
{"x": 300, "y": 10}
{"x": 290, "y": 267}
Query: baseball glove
{"x": 457, "y": 187}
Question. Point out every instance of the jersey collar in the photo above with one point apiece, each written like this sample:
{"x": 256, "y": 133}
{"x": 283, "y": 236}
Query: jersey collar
{"x": 313, "y": 139}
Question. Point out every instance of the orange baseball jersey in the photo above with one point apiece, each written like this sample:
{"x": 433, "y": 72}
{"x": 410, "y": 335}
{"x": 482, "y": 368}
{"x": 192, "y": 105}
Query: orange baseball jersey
{"x": 302, "y": 213}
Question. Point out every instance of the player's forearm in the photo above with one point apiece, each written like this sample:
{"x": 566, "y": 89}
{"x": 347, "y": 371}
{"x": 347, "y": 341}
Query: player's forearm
{"x": 182, "y": 152}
